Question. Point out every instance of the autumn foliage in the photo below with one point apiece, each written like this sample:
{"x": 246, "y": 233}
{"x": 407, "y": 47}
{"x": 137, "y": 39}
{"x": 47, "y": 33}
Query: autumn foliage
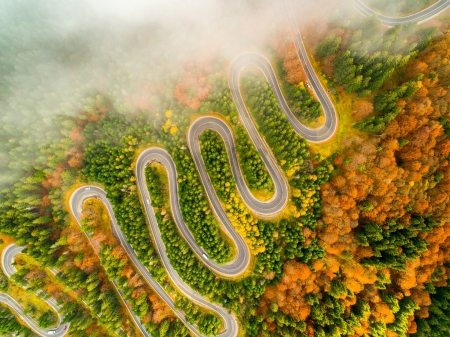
{"x": 194, "y": 87}
{"x": 400, "y": 173}
{"x": 95, "y": 215}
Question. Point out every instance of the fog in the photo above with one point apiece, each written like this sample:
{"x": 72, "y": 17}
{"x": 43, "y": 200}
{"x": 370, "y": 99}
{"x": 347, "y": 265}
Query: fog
{"x": 53, "y": 54}
{"x": 55, "y": 36}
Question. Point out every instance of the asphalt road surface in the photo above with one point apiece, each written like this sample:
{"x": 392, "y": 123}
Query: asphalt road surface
{"x": 76, "y": 203}
{"x": 155, "y": 154}
{"x": 8, "y": 256}
{"x": 318, "y": 135}
{"x": 422, "y": 16}
{"x": 263, "y": 208}
{"x": 76, "y": 206}
{"x": 268, "y": 208}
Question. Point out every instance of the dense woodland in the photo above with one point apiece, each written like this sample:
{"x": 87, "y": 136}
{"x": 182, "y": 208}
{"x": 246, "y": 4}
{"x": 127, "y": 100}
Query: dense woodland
{"x": 9, "y": 323}
{"x": 361, "y": 249}
{"x": 383, "y": 217}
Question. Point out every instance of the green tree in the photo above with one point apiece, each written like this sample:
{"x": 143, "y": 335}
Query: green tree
{"x": 329, "y": 46}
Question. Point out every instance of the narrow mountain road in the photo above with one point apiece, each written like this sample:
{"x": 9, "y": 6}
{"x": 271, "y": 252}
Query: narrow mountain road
{"x": 155, "y": 154}
{"x": 242, "y": 61}
{"x": 264, "y": 208}
{"x": 76, "y": 203}
{"x": 8, "y": 256}
{"x": 419, "y": 17}
{"x": 268, "y": 208}
{"x": 76, "y": 208}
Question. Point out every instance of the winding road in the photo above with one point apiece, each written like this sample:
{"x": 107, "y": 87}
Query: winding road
{"x": 419, "y": 17}
{"x": 318, "y": 135}
{"x": 8, "y": 256}
{"x": 264, "y": 208}
{"x": 76, "y": 203}
{"x": 76, "y": 209}
{"x": 155, "y": 154}
{"x": 267, "y": 208}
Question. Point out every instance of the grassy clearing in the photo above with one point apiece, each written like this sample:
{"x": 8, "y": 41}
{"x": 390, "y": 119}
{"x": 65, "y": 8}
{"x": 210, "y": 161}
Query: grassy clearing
{"x": 101, "y": 216}
{"x": 344, "y": 106}
{"x": 263, "y": 195}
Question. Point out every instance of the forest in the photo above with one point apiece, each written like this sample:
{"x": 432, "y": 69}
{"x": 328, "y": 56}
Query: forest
{"x": 361, "y": 248}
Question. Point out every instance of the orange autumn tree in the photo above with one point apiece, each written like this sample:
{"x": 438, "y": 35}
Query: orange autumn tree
{"x": 193, "y": 87}
{"x": 399, "y": 173}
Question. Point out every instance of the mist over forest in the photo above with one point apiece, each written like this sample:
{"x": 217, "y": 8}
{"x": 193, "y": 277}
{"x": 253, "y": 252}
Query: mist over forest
{"x": 54, "y": 54}
{"x": 251, "y": 168}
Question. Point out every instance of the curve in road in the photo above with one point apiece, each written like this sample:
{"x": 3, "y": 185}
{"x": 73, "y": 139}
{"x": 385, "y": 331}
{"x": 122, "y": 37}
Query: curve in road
{"x": 76, "y": 208}
{"x": 155, "y": 154}
{"x": 84, "y": 193}
{"x": 317, "y": 135}
{"x": 240, "y": 263}
{"x": 242, "y": 61}
{"x": 419, "y": 17}
{"x": 263, "y": 208}
{"x": 8, "y": 256}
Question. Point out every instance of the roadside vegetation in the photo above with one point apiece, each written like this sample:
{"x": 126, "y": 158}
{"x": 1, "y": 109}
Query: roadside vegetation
{"x": 289, "y": 148}
{"x": 195, "y": 207}
{"x": 253, "y": 168}
{"x": 35, "y": 280}
{"x": 43, "y": 314}
{"x": 219, "y": 169}
{"x": 362, "y": 249}
{"x": 9, "y": 324}
{"x": 33, "y": 306}
{"x": 295, "y": 88}
{"x": 383, "y": 223}
{"x": 144, "y": 302}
